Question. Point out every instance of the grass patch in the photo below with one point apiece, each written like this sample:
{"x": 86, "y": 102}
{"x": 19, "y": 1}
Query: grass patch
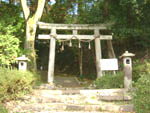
{"x": 3, "y": 109}
{"x": 110, "y": 81}
{"x": 14, "y": 83}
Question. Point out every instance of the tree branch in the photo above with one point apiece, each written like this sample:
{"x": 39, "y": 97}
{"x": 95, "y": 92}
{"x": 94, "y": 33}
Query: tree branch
{"x": 25, "y": 8}
{"x": 39, "y": 11}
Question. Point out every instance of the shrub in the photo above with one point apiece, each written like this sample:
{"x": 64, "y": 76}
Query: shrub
{"x": 138, "y": 68}
{"x": 3, "y": 109}
{"x": 88, "y": 76}
{"x": 141, "y": 98}
{"x": 15, "y": 83}
{"x": 9, "y": 45}
{"x": 110, "y": 81}
{"x": 11, "y": 33}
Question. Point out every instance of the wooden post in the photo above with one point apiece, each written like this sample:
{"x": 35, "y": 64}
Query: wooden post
{"x": 75, "y": 32}
{"x": 51, "y": 57}
{"x": 80, "y": 61}
{"x": 98, "y": 53}
{"x": 111, "y": 53}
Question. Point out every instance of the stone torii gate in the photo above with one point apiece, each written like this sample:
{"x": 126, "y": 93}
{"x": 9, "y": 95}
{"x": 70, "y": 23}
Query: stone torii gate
{"x": 53, "y": 36}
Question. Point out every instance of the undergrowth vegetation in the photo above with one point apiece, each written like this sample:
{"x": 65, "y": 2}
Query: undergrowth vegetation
{"x": 141, "y": 98}
{"x": 3, "y": 109}
{"x": 14, "y": 83}
{"x": 110, "y": 81}
{"x": 139, "y": 67}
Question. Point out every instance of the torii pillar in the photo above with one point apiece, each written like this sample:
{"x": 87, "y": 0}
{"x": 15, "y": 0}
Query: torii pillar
{"x": 51, "y": 63}
{"x": 98, "y": 53}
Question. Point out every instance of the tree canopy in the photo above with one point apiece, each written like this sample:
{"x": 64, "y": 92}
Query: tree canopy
{"x": 130, "y": 19}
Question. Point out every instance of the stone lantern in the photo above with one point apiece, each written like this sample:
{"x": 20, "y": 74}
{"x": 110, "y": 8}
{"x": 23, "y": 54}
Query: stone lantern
{"x": 127, "y": 61}
{"x": 22, "y": 62}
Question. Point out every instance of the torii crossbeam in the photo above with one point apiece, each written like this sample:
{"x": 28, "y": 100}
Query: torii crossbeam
{"x": 75, "y": 28}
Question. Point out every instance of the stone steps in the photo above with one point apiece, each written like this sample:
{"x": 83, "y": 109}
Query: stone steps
{"x": 70, "y": 99}
{"x": 115, "y": 98}
{"x": 83, "y": 92}
{"x": 70, "y": 112}
{"x": 38, "y": 107}
{"x": 73, "y": 101}
{"x": 106, "y": 94}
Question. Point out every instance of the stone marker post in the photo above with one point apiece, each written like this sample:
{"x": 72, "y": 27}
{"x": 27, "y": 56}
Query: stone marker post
{"x": 22, "y": 62}
{"x": 127, "y": 61}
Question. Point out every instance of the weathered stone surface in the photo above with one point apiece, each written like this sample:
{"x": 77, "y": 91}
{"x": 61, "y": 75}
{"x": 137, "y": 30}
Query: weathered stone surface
{"x": 83, "y": 92}
{"x": 69, "y": 101}
{"x": 70, "y": 112}
{"x": 117, "y": 108}
{"x": 127, "y": 97}
{"x": 111, "y": 98}
{"x": 115, "y": 97}
{"x": 70, "y": 92}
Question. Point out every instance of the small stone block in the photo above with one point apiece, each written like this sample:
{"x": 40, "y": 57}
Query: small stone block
{"x": 111, "y": 98}
{"x": 74, "y": 108}
{"x": 117, "y": 108}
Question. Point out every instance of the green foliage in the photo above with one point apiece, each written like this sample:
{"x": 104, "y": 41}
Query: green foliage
{"x": 9, "y": 45}
{"x": 14, "y": 83}
{"x": 2, "y": 109}
{"x": 11, "y": 31}
{"x": 60, "y": 10}
{"x": 141, "y": 98}
{"x": 110, "y": 81}
{"x": 88, "y": 76}
{"x": 139, "y": 68}
{"x": 11, "y": 15}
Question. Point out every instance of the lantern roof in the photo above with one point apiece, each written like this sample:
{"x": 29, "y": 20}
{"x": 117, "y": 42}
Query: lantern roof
{"x": 127, "y": 54}
{"x": 22, "y": 58}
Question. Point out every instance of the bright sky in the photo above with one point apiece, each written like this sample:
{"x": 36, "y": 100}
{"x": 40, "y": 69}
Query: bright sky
{"x": 53, "y": 1}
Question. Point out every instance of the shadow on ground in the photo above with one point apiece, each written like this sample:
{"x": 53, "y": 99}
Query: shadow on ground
{"x": 68, "y": 81}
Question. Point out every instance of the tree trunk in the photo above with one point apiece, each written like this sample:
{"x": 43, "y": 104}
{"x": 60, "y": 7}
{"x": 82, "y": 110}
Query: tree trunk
{"x": 111, "y": 53}
{"x": 106, "y": 6}
{"x": 30, "y": 41}
{"x": 31, "y": 26}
